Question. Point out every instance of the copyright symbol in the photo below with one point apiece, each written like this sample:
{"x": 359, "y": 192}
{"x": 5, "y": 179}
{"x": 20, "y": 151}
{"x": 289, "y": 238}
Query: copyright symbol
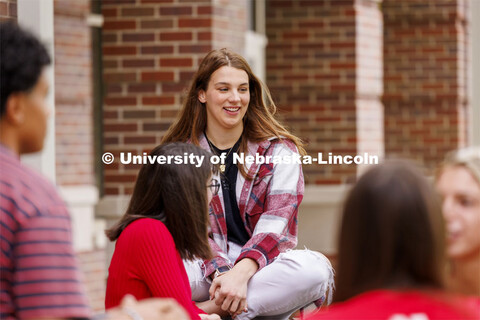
{"x": 107, "y": 158}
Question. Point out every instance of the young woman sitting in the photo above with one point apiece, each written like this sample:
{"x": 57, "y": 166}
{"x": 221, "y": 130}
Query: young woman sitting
{"x": 254, "y": 217}
{"x": 166, "y": 221}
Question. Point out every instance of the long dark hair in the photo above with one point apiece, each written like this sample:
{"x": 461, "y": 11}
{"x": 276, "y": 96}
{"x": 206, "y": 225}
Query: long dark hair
{"x": 175, "y": 194}
{"x": 259, "y": 121}
{"x": 392, "y": 233}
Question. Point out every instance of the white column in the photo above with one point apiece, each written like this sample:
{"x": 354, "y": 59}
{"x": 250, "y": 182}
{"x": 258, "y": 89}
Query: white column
{"x": 256, "y": 42}
{"x": 37, "y": 16}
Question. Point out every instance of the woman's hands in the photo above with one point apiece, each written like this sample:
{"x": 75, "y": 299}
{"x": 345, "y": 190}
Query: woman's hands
{"x": 229, "y": 291}
{"x": 210, "y": 307}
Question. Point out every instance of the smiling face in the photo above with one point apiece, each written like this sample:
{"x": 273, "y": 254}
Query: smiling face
{"x": 226, "y": 98}
{"x": 461, "y": 209}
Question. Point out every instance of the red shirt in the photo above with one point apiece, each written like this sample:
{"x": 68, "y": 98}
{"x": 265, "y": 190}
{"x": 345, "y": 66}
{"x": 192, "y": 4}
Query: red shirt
{"x": 39, "y": 275}
{"x": 146, "y": 264}
{"x": 406, "y": 305}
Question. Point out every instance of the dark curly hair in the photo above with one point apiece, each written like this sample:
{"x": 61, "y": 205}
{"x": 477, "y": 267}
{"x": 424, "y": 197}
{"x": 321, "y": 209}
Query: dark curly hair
{"x": 22, "y": 58}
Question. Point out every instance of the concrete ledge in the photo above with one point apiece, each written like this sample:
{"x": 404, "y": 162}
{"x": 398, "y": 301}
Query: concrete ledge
{"x": 110, "y": 208}
{"x": 319, "y": 217}
{"x": 81, "y": 201}
{"x": 320, "y": 195}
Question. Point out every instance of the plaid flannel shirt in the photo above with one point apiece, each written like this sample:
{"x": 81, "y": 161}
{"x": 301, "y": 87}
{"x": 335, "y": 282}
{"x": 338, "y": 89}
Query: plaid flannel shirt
{"x": 268, "y": 206}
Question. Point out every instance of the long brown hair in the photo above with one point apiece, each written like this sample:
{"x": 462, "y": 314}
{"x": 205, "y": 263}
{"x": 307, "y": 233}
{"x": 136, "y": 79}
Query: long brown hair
{"x": 392, "y": 233}
{"x": 259, "y": 121}
{"x": 175, "y": 194}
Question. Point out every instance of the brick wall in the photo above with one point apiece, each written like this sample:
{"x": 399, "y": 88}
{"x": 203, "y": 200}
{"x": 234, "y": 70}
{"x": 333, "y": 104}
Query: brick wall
{"x": 92, "y": 265}
{"x": 324, "y": 67}
{"x": 324, "y": 70}
{"x": 229, "y": 18}
{"x": 8, "y": 10}
{"x": 150, "y": 51}
{"x": 73, "y": 94}
{"x": 74, "y": 124}
{"x": 425, "y": 78}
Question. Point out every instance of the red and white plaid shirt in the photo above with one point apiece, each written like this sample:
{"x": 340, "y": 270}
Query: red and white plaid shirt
{"x": 268, "y": 206}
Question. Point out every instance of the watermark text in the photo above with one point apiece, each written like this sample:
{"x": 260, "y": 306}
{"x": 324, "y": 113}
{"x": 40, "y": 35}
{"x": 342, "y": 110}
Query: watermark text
{"x": 241, "y": 158}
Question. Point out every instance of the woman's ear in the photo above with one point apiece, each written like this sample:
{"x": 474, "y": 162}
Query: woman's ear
{"x": 15, "y": 109}
{"x": 202, "y": 96}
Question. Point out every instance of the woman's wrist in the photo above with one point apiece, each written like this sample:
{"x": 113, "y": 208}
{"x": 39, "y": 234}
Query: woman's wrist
{"x": 246, "y": 267}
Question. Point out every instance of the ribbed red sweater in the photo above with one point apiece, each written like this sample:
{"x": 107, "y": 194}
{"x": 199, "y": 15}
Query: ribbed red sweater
{"x": 146, "y": 264}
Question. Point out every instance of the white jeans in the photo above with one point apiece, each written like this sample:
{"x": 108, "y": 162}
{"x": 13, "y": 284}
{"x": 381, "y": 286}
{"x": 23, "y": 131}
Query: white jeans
{"x": 293, "y": 280}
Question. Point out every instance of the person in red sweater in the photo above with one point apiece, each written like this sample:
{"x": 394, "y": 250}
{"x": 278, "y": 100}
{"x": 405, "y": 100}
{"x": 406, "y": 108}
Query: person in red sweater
{"x": 391, "y": 251}
{"x": 166, "y": 221}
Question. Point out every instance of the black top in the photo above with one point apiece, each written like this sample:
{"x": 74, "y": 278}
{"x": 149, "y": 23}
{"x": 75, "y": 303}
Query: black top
{"x": 236, "y": 231}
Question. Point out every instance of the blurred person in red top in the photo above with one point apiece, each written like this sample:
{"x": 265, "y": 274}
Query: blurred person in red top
{"x": 39, "y": 277}
{"x": 391, "y": 251}
{"x": 458, "y": 182}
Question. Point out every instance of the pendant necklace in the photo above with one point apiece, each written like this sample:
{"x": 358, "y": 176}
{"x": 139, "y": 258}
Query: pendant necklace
{"x": 222, "y": 166}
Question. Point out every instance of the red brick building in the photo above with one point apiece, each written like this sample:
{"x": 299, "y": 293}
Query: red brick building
{"x": 390, "y": 78}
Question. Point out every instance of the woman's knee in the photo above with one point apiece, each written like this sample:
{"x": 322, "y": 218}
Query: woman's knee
{"x": 198, "y": 283}
{"x": 313, "y": 268}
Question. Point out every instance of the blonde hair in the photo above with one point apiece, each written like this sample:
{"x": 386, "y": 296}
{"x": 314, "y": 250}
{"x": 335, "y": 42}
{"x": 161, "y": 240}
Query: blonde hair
{"x": 259, "y": 121}
{"x": 469, "y": 158}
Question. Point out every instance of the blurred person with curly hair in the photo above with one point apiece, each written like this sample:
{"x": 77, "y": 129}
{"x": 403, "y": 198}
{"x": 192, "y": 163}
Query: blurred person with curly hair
{"x": 40, "y": 276}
